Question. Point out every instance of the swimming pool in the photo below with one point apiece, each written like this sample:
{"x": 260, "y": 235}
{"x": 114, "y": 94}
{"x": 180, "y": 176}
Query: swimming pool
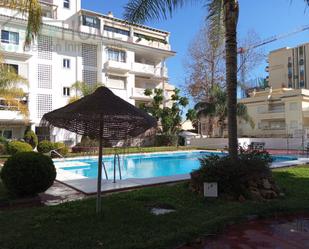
{"x": 145, "y": 165}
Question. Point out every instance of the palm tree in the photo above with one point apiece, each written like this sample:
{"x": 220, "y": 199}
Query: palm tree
{"x": 31, "y": 8}
{"x": 222, "y": 14}
{"x": 216, "y": 108}
{"x": 11, "y": 91}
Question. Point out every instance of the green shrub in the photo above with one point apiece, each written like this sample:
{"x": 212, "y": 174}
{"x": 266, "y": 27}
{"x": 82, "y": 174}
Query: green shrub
{"x": 3, "y": 145}
{"x": 31, "y": 138}
{"x": 28, "y": 173}
{"x": 166, "y": 140}
{"x": 14, "y": 147}
{"x": 61, "y": 148}
{"x": 45, "y": 146}
{"x": 232, "y": 176}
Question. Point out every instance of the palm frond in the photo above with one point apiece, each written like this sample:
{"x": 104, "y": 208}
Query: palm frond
{"x": 140, "y": 11}
{"x": 31, "y": 8}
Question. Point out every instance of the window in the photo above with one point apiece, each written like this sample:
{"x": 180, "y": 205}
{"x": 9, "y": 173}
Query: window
{"x": 66, "y": 4}
{"x": 116, "y": 55}
{"x": 91, "y": 21}
{"x": 67, "y": 63}
{"x": 66, "y": 91}
{"x": 8, "y": 134}
{"x": 9, "y": 37}
{"x": 117, "y": 30}
{"x": 11, "y": 68}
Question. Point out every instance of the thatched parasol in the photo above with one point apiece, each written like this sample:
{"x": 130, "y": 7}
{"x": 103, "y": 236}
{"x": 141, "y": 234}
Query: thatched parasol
{"x": 104, "y": 116}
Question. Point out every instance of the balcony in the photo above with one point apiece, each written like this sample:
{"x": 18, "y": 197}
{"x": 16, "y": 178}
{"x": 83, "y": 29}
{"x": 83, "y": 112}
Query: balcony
{"x": 138, "y": 94}
{"x": 148, "y": 70}
{"x": 150, "y": 43}
{"x": 9, "y": 116}
{"x": 49, "y": 10}
{"x": 117, "y": 66}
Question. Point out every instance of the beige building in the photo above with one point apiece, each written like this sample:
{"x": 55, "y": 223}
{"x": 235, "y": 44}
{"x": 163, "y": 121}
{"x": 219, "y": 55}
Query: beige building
{"x": 277, "y": 113}
{"x": 289, "y": 67}
{"x": 283, "y": 109}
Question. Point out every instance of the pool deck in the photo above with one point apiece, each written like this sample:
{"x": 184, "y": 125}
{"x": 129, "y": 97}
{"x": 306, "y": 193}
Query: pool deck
{"x": 88, "y": 186}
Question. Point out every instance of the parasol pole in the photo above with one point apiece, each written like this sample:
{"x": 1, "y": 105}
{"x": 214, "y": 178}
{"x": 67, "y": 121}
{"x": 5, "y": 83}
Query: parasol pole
{"x": 99, "y": 206}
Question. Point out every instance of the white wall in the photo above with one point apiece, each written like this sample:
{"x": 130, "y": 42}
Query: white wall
{"x": 270, "y": 143}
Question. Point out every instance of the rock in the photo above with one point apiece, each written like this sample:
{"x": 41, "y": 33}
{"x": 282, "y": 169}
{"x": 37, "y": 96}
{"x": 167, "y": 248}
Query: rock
{"x": 241, "y": 198}
{"x": 282, "y": 194}
{"x": 256, "y": 196}
{"x": 252, "y": 184}
{"x": 268, "y": 194}
{"x": 266, "y": 184}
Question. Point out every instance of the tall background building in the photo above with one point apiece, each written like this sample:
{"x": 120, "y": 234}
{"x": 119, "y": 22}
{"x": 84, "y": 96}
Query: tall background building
{"x": 79, "y": 45}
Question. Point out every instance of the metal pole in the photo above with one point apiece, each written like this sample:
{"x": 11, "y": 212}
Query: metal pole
{"x": 99, "y": 206}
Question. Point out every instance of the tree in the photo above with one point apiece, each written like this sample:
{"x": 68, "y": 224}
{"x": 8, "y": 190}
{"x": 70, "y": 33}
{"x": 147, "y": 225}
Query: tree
{"x": 169, "y": 117}
{"x": 31, "y": 8}
{"x": 216, "y": 110}
{"x": 206, "y": 62}
{"x": 222, "y": 13}
{"x": 82, "y": 89}
{"x": 11, "y": 91}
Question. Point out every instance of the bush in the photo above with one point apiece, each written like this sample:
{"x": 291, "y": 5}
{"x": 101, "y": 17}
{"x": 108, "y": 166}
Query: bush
{"x": 14, "y": 147}
{"x": 61, "y": 148}
{"x": 166, "y": 140}
{"x": 3, "y": 145}
{"x": 232, "y": 176}
{"x": 45, "y": 146}
{"x": 31, "y": 138}
{"x": 28, "y": 173}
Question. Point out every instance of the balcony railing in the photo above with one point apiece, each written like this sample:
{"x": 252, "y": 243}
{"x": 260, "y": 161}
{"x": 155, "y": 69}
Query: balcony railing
{"x": 139, "y": 93}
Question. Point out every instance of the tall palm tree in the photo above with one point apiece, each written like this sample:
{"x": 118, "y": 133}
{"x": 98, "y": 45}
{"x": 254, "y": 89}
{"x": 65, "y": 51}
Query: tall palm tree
{"x": 222, "y": 14}
{"x": 216, "y": 108}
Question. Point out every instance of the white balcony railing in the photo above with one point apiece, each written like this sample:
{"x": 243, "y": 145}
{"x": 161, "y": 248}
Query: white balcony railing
{"x": 150, "y": 70}
{"x": 117, "y": 66}
{"x": 139, "y": 93}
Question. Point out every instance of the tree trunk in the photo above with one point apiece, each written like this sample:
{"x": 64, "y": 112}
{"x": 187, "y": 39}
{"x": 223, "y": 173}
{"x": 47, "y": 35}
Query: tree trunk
{"x": 230, "y": 22}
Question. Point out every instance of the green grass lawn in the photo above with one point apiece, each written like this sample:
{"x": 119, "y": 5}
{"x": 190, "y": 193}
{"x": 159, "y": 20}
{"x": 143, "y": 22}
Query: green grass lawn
{"x": 127, "y": 223}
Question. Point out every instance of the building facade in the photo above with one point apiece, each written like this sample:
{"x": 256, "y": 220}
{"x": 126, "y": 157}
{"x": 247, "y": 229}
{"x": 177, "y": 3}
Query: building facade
{"x": 79, "y": 45}
{"x": 282, "y": 109}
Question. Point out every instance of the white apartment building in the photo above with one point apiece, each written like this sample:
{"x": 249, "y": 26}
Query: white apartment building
{"x": 79, "y": 45}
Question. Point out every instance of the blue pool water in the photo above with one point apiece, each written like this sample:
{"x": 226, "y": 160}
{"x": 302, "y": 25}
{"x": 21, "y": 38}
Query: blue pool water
{"x": 146, "y": 165}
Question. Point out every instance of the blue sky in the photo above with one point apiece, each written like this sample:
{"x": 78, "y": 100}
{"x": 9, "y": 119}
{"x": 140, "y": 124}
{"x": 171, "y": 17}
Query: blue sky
{"x": 266, "y": 17}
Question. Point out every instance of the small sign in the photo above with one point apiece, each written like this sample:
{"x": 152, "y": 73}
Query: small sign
{"x": 210, "y": 189}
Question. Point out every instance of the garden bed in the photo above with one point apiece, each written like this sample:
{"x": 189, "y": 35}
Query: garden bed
{"x": 127, "y": 223}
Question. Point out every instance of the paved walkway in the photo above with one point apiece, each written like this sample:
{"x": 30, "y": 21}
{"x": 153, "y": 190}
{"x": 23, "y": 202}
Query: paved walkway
{"x": 281, "y": 233}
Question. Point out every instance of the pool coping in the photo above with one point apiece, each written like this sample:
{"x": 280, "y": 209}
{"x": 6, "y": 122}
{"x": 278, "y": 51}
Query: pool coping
{"x": 88, "y": 186}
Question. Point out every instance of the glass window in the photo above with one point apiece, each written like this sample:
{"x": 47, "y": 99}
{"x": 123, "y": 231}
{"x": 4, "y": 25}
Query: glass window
{"x": 8, "y": 134}
{"x": 91, "y": 21}
{"x": 117, "y": 30}
{"x": 67, "y": 63}
{"x": 9, "y": 37}
{"x": 66, "y": 4}
{"x": 116, "y": 55}
{"x": 66, "y": 91}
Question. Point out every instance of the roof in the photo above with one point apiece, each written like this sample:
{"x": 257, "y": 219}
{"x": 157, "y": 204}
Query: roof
{"x": 124, "y": 21}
